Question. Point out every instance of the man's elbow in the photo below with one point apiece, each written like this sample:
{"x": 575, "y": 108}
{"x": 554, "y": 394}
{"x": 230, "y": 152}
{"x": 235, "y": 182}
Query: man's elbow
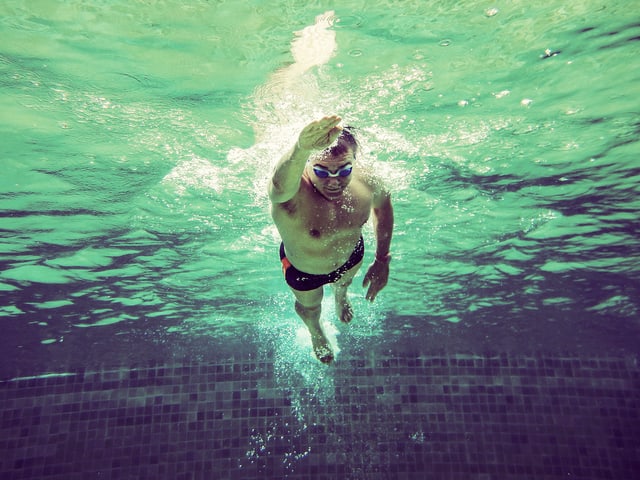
{"x": 385, "y": 209}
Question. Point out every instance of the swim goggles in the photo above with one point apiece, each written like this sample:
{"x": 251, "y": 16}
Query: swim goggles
{"x": 343, "y": 171}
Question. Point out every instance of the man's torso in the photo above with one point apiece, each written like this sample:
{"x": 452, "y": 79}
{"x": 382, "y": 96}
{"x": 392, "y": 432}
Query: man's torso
{"x": 319, "y": 235}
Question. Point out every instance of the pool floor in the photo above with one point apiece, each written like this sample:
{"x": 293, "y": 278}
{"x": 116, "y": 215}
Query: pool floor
{"x": 389, "y": 416}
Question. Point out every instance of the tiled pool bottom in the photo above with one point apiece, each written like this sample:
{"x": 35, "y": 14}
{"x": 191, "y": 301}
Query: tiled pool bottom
{"x": 386, "y": 417}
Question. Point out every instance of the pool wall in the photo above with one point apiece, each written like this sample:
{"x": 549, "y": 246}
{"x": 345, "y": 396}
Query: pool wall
{"x": 388, "y": 416}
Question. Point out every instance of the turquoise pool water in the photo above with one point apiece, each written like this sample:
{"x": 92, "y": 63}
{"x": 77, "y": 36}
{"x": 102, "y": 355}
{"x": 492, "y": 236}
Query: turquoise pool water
{"x": 138, "y": 137}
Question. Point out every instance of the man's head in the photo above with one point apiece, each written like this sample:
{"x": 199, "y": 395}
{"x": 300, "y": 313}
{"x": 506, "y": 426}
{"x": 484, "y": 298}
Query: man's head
{"x": 345, "y": 141}
{"x": 330, "y": 170}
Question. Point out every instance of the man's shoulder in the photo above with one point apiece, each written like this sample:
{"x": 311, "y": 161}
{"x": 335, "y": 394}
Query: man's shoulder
{"x": 284, "y": 203}
{"x": 374, "y": 184}
{"x": 369, "y": 179}
{"x": 297, "y": 202}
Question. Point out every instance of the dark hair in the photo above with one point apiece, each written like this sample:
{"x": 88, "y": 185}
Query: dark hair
{"x": 346, "y": 140}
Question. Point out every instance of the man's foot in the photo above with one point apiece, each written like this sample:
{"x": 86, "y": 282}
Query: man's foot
{"x": 344, "y": 309}
{"x": 322, "y": 349}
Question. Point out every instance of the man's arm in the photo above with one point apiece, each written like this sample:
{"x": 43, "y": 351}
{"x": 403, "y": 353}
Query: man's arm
{"x": 286, "y": 178}
{"x": 378, "y": 273}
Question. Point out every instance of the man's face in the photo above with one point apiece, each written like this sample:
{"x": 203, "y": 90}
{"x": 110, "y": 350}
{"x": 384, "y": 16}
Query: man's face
{"x": 330, "y": 174}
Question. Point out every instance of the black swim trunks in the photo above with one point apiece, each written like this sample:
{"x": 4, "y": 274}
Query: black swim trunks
{"x": 306, "y": 281}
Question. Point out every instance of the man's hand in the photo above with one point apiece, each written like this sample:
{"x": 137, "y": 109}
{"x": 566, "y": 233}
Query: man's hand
{"x": 320, "y": 133}
{"x": 376, "y": 278}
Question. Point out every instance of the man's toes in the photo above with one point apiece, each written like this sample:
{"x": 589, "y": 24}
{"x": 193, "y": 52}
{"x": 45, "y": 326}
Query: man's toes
{"x": 345, "y": 312}
{"x": 324, "y": 353}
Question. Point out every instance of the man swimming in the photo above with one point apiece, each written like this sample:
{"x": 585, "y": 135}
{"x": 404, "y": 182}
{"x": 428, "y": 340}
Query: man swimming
{"x": 320, "y": 201}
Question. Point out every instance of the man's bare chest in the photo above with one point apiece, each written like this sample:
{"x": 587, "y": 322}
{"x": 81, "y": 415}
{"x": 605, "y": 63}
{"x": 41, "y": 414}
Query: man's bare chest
{"x": 335, "y": 217}
{"x": 319, "y": 218}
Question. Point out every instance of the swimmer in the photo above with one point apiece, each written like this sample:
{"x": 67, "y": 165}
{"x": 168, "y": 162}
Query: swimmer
{"x": 320, "y": 200}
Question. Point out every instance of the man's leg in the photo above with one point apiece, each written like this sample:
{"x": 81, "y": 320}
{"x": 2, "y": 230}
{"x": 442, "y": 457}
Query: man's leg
{"x": 344, "y": 310}
{"x": 308, "y": 307}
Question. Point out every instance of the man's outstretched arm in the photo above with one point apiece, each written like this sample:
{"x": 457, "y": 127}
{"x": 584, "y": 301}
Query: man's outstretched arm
{"x": 317, "y": 135}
